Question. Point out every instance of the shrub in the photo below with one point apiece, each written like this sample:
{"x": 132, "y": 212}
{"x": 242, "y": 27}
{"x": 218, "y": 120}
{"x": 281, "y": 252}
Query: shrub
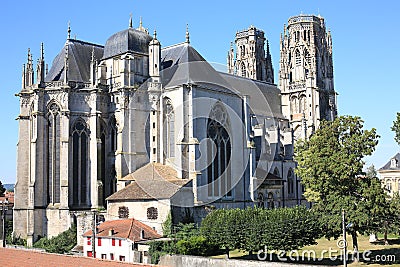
{"x": 60, "y": 244}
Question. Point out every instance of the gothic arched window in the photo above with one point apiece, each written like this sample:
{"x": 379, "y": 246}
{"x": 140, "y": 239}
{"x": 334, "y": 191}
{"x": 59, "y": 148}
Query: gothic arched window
{"x": 219, "y": 154}
{"x": 243, "y": 69}
{"x": 276, "y": 172}
{"x": 290, "y": 179}
{"x": 294, "y": 105}
{"x": 169, "y": 129}
{"x": 297, "y": 58}
{"x": 53, "y": 153}
{"x": 308, "y": 58}
{"x": 80, "y": 157}
{"x": 113, "y": 135}
{"x": 101, "y": 164}
{"x": 302, "y": 104}
{"x": 270, "y": 201}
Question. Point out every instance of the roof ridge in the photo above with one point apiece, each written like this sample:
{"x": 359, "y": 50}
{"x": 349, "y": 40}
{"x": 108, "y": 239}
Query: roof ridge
{"x": 85, "y": 42}
{"x": 130, "y": 229}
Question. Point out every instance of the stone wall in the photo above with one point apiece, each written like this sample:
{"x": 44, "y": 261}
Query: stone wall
{"x": 194, "y": 261}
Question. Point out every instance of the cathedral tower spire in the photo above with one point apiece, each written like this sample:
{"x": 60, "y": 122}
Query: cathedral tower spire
{"x": 306, "y": 74}
{"x": 251, "y": 61}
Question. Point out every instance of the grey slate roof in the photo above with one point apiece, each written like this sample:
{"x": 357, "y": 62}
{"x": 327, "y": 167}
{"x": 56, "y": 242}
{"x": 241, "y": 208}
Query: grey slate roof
{"x": 152, "y": 181}
{"x": 79, "y": 58}
{"x": 129, "y": 40}
{"x": 182, "y": 64}
{"x": 388, "y": 165}
{"x": 264, "y": 98}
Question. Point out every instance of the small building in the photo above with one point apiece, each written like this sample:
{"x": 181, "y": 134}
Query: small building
{"x": 390, "y": 175}
{"x": 154, "y": 192}
{"x": 118, "y": 240}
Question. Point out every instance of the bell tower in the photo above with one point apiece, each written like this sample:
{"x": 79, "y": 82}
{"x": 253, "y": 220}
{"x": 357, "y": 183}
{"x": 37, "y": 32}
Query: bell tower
{"x": 306, "y": 74}
{"x": 251, "y": 59}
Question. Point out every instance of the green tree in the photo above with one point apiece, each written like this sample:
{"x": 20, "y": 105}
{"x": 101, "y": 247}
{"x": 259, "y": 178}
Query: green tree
{"x": 2, "y": 189}
{"x": 60, "y": 244}
{"x": 396, "y": 128}
{"x": 220, "y": 227}
{"x": 331, "y": 165}
{"x": 253, "y": 229}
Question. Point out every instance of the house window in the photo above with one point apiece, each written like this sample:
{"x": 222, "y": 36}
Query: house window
{"x": 120, "y": 242}
{"x": 123, "y": 212}
{"x": 113, "y": 242}
{"x": 389, "y": 186}
{"x": 99, "y": 242}
{"x": 393, "y": 163}
{"x": 89, "y": 254}
{"x": 152, "y": 213}
{"x": 122, "y": 258}
{"x": 112, "y": 256}
{"x": 89, "y": 241}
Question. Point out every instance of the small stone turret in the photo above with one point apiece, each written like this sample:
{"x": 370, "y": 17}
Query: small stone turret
{"x": 40, "y": 68}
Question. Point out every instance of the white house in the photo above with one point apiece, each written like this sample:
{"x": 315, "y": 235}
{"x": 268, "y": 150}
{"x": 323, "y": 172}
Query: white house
{"x": 390, "y": 175}
{"x": 118, "y": 240}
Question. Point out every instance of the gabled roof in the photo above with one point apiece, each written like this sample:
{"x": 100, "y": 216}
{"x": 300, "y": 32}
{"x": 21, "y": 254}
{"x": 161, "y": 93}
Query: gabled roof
{"x": 126, "y": 228}
{"x": 152, "y": 181}
{"x": 79, "y": 58}
{"x": 182, "y": 64}
{"x": 388, "y": 166}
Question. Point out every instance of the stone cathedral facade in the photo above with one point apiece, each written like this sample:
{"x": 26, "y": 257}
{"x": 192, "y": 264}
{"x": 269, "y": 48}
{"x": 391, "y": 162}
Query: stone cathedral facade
{"x": 100, "y": 113}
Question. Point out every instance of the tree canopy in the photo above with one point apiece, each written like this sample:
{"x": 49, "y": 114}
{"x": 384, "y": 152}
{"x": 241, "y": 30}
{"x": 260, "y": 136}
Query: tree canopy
{"x": 253, "y": 229}
{"x": 396, "y": 128}
{"x": 330, "y": 165}
{"x": 2, "y": 189}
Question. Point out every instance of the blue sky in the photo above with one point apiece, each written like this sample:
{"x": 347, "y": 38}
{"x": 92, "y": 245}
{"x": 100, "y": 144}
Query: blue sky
{"x": 365, "y": 47}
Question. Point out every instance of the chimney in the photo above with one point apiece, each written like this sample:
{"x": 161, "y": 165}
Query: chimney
{"x": 111, "y": 232}
{"x": 141, "y": 234}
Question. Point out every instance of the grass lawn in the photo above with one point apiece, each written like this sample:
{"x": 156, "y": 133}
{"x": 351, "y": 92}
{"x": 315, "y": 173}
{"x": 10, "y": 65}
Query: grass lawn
{"x": 375, "y": 254}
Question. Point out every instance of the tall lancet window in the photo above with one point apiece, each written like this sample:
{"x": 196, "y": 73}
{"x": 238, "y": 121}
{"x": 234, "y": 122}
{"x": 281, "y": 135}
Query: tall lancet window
{"x": 169, "y": 129}
{"x": 80, "y": 157}
{"x": 101, "y": 164}
{"x": 53, "y": 154}
{"x": 219, "y": 154}
{"x": 113, "y": 149}
{"x": 113, "y": 135}
{"x": 243, "y": 69}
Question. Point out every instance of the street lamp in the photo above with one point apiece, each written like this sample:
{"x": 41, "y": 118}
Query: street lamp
{"x": 4, "y": 208}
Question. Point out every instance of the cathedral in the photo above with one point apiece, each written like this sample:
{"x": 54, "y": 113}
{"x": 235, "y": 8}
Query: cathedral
{"x": 133, "y": 108}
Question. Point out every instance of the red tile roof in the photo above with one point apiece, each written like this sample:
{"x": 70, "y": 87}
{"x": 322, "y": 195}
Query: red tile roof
{"x": 9, "y": 196}
{"x": 10, "y": 257}
{"x": 125, "y": 228}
